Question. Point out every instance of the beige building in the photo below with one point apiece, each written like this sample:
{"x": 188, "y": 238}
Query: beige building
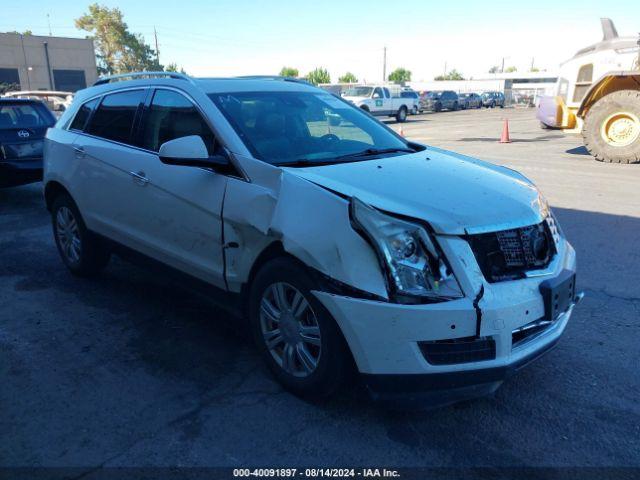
{"x": 47, "y": 63}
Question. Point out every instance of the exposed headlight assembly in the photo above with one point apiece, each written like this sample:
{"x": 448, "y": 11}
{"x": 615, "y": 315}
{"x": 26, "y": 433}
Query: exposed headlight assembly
{"x": 416, "y": 270}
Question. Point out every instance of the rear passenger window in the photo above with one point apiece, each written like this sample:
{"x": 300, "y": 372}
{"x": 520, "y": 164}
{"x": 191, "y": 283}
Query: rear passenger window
{"x": 82, "y": 115}
{"x": 170, "y": 116}
{"x": 114, "y": 117}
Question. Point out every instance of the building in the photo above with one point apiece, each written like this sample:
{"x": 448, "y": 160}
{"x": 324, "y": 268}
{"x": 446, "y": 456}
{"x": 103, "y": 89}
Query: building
{"x": 518, "y": 87}
{"x": 34, "y": 62}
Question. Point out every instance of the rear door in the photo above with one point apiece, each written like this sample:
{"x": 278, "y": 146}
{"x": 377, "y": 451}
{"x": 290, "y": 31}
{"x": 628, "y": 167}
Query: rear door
{"x": 105, "y": 157}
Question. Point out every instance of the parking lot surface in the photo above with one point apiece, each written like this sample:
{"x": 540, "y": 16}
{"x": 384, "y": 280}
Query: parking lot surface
{"x": 130, "y": 370}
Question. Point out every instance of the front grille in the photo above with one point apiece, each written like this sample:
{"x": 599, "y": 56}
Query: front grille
{"x": 509, "y": 254}
{"x": 459, "y": 350}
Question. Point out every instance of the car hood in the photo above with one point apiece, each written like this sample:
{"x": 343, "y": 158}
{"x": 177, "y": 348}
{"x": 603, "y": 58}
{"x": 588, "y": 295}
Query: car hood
{"x": 455, "y": 194}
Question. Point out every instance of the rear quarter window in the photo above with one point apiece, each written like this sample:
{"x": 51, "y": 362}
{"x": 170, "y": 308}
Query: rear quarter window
{"x": 83, "y": 114}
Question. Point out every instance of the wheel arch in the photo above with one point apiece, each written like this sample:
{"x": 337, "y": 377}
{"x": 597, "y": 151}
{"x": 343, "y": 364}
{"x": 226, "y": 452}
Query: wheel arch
{"x": 52, "y": 190}
{"x": 609, "y": 83}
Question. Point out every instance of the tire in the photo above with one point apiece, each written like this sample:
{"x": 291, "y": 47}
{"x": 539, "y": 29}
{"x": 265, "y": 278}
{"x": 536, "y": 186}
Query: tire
{"x": 365, "y": 108}
{"x": 438, "y": 107}
{"x": 333, "y": 361}
{"x": 455, "y": 106}
{"x": 544, "y": 126}
{"x": 620, "y": 148}
{"x": 84, "y": 254}
{"x": 401, "y": 116}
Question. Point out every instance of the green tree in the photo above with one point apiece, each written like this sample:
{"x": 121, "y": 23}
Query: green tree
{"x": 26, "y": 33}
{"x": 117, "y": 49}
{"x": 289, "y": 72}
{"x": 510, "y": 69}
{"x": 534, "y": 69}
{"x": 348, "y": 78}
{"x": 452, "y": 75}
{"x": 173, "y": 67}
{"x": 400, "y": 75}
{"x": 319, "y": 75}
{"x": 494, "y": 69}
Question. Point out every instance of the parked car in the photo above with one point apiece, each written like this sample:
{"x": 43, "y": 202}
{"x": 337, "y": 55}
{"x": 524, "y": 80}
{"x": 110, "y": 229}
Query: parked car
{"x": 321, "y": 235}
{"x": 23, "y": 124}
{"x": 410, "y": 94}
{"x": 57, "y": 101}
{"x": 441, "y": 100}
{"x": 469, "y": 100}
{"x": 380, "y": 100}
{"x": 493, "y": 99}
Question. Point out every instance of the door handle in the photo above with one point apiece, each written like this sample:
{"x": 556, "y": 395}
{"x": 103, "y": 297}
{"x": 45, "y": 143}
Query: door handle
{"x": 79, "y": 151}
{"x": 139, "y": 178}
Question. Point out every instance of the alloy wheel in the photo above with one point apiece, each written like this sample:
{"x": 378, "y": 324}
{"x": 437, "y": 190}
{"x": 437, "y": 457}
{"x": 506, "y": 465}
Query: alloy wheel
{"x": 68, "y": 234}
{"x": 290, "y": 329}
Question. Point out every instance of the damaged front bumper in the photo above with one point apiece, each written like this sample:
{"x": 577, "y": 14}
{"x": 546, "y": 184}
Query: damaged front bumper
{"x": 445, "y": 352}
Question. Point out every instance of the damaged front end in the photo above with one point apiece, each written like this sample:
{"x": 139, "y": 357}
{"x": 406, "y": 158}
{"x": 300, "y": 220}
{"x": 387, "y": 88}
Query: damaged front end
{"x": 421, "y": 309}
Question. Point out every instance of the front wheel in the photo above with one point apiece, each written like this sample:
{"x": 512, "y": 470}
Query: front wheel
{"x": 401, "y": 116}
{"x": 82, "y": 252}
{"x": 297, "y": 337}
{"x": 611, "y": 129}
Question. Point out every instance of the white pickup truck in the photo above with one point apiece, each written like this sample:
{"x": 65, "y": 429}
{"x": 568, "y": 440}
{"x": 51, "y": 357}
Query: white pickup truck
{"x": 380, "y": 100}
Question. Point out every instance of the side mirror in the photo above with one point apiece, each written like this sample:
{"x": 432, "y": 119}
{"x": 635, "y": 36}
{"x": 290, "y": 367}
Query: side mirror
{"x": 190, "y": 152}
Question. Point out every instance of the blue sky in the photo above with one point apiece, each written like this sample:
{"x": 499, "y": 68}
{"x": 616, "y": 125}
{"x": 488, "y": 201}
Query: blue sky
{"x": 235, "y": 37}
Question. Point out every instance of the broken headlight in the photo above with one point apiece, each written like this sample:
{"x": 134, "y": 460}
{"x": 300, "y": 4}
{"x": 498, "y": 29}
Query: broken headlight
{"x": 416, "y": 269}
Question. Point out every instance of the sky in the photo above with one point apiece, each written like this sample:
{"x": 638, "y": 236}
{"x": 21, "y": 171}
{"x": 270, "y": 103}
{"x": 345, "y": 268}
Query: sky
{"x": 244, "y": 37}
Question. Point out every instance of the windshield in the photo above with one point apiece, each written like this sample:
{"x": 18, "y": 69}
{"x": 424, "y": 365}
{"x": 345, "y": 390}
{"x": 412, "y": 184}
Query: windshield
{"x": 295, "y": 127}
{"x": 434, "y": 94}
{"x": 24, "y": 115}
{"x": 358, "y": 92}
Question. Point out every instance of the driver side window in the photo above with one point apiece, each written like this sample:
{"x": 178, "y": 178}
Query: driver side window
{"x": 377, "y": 93}
{"x": 171, "y": 115}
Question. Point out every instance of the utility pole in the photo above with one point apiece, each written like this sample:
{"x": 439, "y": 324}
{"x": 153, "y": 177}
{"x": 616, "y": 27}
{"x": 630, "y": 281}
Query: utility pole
{"x": 155, "y": 35}
{"x": 384, "y": 64}
{"x": 444, "y": 74}
{"x": 49, "y": 23}
{"x": 502, "y": 68}
{"x": 532, "y": 60}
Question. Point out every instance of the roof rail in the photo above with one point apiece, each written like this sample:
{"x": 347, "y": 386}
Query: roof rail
{"x": 275, "y": 77}
{"x": 134, "y": 75}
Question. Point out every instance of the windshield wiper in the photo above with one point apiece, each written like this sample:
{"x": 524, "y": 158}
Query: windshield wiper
{"x": 306, "y": 162}
{"x": 370, "y": 152}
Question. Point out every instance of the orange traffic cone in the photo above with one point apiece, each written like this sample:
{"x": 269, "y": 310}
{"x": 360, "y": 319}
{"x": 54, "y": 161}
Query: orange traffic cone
{"x": 401, "y": 132}
{"x": 505, "y": 132}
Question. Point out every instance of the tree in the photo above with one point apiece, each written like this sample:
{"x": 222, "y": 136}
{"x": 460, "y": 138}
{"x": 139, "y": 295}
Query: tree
{"x": 452, "y": 75}
{"x": 348, "y": 78}
{"x": 26, "y": 33}
{"x": 400, "y": 75}
{"x": 289, "y": 72}
{"x": 510, "y": 69}
{"x": 117, "y": 49}
{"x": 319, "y": 75}
{"x": 494, "y": 69}
{"x": 173, "y": 67}
{"x": 534, "y": 69}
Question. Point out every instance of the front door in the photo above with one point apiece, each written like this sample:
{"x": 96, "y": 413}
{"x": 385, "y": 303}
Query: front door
{"x": 179, "y": 207}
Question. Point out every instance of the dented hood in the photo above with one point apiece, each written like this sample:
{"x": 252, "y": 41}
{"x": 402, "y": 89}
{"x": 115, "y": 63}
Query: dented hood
{"x": 455, "y": 194}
